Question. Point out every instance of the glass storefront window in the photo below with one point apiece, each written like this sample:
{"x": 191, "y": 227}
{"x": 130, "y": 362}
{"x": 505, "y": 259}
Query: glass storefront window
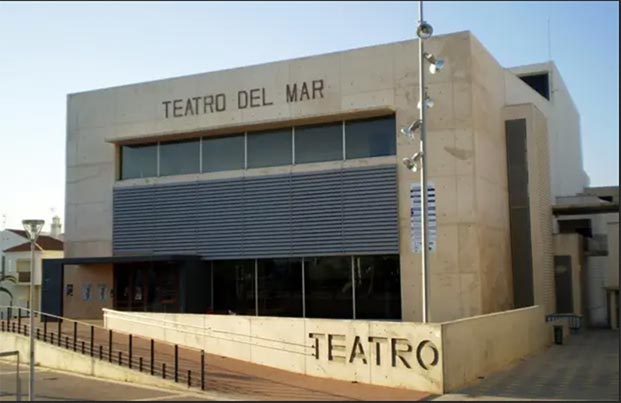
{"x": 223, "y": 153}
{"x": 179, "y": 157}
{"x": 268, "y": 149}
{"x": 378, "y": 287}
{"x": 328, "y": 287}
{"x": 280, "y": 287}
{"x": 319, "y": 143}
{"x": 233, "y": 287}
{"x": 138, "y": 161}
{"x": 370, "y": 137}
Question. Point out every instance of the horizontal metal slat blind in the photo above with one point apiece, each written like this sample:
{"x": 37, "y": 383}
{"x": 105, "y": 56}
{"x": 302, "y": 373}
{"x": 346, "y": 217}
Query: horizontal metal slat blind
{"x": 332, "y": 212}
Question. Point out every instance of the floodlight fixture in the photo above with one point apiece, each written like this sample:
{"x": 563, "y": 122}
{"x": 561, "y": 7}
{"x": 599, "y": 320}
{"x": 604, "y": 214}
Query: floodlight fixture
{"x": 409, "y": 131}
{"x": 424, "y": 30}
{"x": 436, "y": 64}
{"x": 428, "y": 103}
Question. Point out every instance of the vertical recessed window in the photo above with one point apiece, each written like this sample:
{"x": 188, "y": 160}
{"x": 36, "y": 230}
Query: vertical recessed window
{"x": 138, "y": 161}
{"x": 223, "y": 153}
{"x": 370, "y": 137}
{"x": 328, "y": 287}
{"x": 233, "y": 287}
{"x": 280, "y": 287}
{"x": 268, "y": 149}
{"x": 319, "y": 143}
{"x": 378, "y": 287}
{"x": 179, "y": 157}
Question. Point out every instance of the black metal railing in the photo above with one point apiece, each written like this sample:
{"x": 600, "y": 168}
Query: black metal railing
{"x": 134, "y": 352}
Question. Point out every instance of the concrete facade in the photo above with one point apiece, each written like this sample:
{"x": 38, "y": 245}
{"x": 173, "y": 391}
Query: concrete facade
{"x": 471, "y": 267}
{"x": 566, "y": 163}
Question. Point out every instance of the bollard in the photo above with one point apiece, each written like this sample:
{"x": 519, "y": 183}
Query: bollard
{"x": 92, "y": 340}
{"x": 202, "y": 369}
{"x": 130, "y": 351}
{"x": 60, "y": 330}
{"x": 163, "y": 370}
{"x": 45, "y": 329}
{"x": 75, "y": 335}
{"x": 2, "y": 326}
{"x": 189, "y": 378}
{"x": 52, "y": 338}
{"x": 176, "y": 363}
{"x": 100, "y": 352}
{"x": 19, "y": 318}
{"x": 82, "y": 346}
{"x": 37, "y": 334}
{"x": 120, "y": 358}
{"x": 25, "y": 332}
{"x": 67, "y": 342}
{"x": 109, "y": 345}
{"x": 139, "y": 364}
{"x": 152, "y": 356}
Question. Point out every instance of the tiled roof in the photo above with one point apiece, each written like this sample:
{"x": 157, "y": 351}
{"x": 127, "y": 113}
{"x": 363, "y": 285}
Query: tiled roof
{"x": 44, "y": 242}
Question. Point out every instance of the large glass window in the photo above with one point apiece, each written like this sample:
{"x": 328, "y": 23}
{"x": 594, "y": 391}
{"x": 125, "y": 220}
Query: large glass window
{"x": 268, "y": 149}
{"x": 328, "y": 287}
{"x": 370, "y": 137}
{"x": 179, "y": 157}
{"x": 280, "y": 287}
{"x": 138, "y": 161}
{"x": 223, "y": 153}
{"x": 233, "y": 287}
{"x": 319, "y": 143}
{"x": 378, "y": 287}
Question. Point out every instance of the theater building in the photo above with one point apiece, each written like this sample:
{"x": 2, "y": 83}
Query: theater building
{"x": 278, "y": 189}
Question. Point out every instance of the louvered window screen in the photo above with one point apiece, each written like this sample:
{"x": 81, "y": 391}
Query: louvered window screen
{"x": 332, "y": 212}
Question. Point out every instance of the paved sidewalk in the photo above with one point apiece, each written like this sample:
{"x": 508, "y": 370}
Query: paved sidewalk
{"x": 586, "y": 367}
{"x": 226, "y": 376}
{"x": 52, "y": 385}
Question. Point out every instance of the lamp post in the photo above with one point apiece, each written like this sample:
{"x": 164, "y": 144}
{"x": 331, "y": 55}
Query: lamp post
{"x": 33, "y": 229}
{"x": 418, "y": 162}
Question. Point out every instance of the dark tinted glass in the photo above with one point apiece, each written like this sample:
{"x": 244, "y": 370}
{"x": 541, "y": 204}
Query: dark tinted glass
{"x": 319, "y": 143}
{"x": 378, "y": 287}
{"x": 328, "y": 287}
{"x": 370, "y": 137}
{"x": 233, "y": 287}
{"x": 268, "y": 149}
{"x": 138, "y": 161}
{"x": 223, "y": 153}
{"x": 280, "y": 287}
{"x": 179, "y": 157}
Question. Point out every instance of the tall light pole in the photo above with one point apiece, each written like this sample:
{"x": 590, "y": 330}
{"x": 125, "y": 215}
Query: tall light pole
{"x": 418, "y": 162}
{"x": 33, "y": 229}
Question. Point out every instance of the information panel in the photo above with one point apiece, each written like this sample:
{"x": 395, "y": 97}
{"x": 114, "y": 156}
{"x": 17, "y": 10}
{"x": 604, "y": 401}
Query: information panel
{"x": 415, "y": 215}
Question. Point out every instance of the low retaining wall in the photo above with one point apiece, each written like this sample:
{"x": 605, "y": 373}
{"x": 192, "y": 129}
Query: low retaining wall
{"x": 397, "y": 354}
{"x": 432, "y": 357}
{"x": 478, "y": 346}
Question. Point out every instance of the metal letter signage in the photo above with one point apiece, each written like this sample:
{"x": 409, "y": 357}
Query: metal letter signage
{"x": 398, "y": 351}
{"x": 243, "y": 99}
{"x": 415, "y": 214}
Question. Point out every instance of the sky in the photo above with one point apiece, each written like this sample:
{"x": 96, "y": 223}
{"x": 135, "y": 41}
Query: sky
{"x": 48, "y": 50}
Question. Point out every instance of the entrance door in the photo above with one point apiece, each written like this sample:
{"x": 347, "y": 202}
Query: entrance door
{"x": 129, "y": 284}
{"x": 146, "y": 287}
{"x": 563, "y": 284}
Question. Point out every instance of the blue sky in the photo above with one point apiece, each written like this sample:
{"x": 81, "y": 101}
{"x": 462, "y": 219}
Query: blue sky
{"x": 48, "y": 50}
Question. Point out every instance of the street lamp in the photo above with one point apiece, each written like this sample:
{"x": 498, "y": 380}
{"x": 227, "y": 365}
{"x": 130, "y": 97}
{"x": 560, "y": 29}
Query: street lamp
{"x": 33, "y": 229}
{"x": 417, "y": 162}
